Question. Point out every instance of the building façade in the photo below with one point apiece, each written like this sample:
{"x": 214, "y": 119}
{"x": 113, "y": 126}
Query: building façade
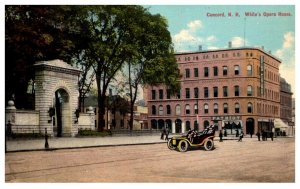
{"x": 234, "y": 88}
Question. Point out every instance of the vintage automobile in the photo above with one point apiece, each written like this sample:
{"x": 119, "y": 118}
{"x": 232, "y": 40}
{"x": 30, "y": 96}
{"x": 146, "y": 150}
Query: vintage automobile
{"x": 193, "y": 139}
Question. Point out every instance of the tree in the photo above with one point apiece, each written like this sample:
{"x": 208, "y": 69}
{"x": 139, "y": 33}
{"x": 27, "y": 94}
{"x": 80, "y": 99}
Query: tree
{"x": 152, "y": 60}
{"x": 35, "y": 33}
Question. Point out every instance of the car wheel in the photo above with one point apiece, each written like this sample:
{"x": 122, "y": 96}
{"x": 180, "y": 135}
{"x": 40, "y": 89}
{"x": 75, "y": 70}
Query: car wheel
{"x": 170, "y": 145}
{"x": 183, "y": 146}
{"x": 209, "y": 144}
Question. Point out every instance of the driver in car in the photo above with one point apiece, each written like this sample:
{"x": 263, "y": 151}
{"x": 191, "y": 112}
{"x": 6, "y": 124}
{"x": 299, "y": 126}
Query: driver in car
{"x": 191, "y": 133}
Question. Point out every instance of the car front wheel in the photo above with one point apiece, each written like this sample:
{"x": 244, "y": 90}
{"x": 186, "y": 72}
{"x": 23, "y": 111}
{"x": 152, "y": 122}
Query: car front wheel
{"x": 209, "y": 144}
{"x": 183, "y": 146}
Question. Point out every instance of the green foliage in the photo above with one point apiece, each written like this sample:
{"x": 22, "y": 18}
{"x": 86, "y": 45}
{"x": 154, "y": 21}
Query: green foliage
{"x": 34, "y": 33}
{"x": 89, "y": 132}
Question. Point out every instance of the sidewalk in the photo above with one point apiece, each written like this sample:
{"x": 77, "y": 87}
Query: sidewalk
{"x": 78, "y": 142}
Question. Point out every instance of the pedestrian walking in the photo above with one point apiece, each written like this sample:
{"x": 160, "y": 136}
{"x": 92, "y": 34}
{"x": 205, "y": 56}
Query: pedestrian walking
{"x": 251, "y": 133}
{"x": 236, "y": 133}
{"x": 272, "y": 135}
{"x": 258, "y": 135}
{"x": 167, "y": 133}
{"x": 162, "y": 133}
{"x": 221, "y": 136}
{"x": 263, "y": 135}
{"x": 241, "y": 137}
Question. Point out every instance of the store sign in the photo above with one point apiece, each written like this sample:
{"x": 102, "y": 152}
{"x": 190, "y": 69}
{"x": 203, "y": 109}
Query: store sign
{"x": 220, "y": 118}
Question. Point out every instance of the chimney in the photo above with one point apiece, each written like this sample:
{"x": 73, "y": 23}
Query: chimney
{"x": 229, "y": 44}
{"x": 270, "y": 52}
{"x": 200, "y": 47}
{"x": 262, "y": 47}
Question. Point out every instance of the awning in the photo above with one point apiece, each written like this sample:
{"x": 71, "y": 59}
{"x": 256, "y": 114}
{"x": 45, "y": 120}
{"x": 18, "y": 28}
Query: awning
{"x": 278, "y": 123}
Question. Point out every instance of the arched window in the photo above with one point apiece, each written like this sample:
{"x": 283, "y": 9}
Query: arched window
{"x": 250, "y": 108}
{"x": 225, "y": 108}
{"x": 168, "y": 109}
{"x": 216, "y": 108}
{"x": 225, "y": 70}
{"x": 237, "y": 108}
{"x": 188, "y": 125}
{"x": 196, "y": 125}
{"x": 236, "y": 90}
{"x": 177, "y": 109}
{"x": 249, "y": 90}
{"x": 196, "y": 109}
{"x": 160, "y": 110}
{"x": 236, "y": 70}
{"x": 187, "y": 109}
{"x": 206, "y": 108}
{"x": 249, "y": 70}
{"x": 153, "y": 110}
{"x": 206, "y": 124}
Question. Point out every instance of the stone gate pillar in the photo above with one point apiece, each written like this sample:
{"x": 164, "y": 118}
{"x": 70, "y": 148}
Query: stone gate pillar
{"x": 56, "y": 78}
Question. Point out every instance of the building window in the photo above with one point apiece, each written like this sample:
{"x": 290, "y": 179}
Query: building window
{"x": 206, "y": 108}
{"x": 249, "y": 90}
{"x": 236, "y": 70}
{"x": 168, "y": 109}
{"x": 196, "y": 92}
{"x": 161, "y": 94}
{"x": 249, "y": 70}
{"x": 250, "y": 108}
{"x": 196, "y": 72}
{"x": 206, "y": 72}
{"x": 196, "y": 125}
{"x": 178, "y": 95}
{"x": 168, "y": 93}
{"x": 187, "y": 73}
{"x": 225, "y": 69}
{"x": 187, "y": 109}
{"x": 237, "y": 108}
{"x": 188, "y": 125}
{"x": 160, "y": 110}
{"x": 196, "y": 108}
{"x": 187, "y": 92}
{"x": 225, "y": 108}
{"x": 206, "y": 92}
{"x": 236, "y": 90}
{"x": 153, "y": 110}
{"x": 216, "y": 108}
{"x": 215, "y": 91}
{"x": 153, "y": 94}
{"x": 206, "y": 124}
{"x": 177, "y": 109}
{"x": 225, "y": 91}
{"x": 215, "y": 71}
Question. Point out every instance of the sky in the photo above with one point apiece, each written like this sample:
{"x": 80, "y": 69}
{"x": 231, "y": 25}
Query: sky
{"x": 194, "y": 25}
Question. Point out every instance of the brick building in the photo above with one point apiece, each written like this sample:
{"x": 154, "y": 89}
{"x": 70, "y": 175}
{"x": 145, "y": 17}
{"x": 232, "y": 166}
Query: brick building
{"x": 286, "y": 107}
{"x": 234, "y": 88}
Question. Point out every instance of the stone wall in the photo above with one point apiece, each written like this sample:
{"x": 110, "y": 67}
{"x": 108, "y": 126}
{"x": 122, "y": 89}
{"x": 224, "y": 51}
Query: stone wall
{"x": 23, "y": 121}
{"x": 86, "y": 121}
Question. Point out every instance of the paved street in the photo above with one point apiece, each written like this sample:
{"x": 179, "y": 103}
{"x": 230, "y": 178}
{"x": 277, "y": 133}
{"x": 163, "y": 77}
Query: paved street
{"x": 230, "y": 161}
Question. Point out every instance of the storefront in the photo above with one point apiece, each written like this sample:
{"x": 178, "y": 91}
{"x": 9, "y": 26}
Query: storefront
{"x": 231, "y": 125}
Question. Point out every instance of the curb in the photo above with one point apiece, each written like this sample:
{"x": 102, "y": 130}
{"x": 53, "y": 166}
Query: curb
{"x": 79, "y": 147}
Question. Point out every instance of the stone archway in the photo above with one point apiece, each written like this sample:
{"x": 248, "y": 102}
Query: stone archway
{"x": 63, "y": 115}
{"x": 56, "y": 97}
